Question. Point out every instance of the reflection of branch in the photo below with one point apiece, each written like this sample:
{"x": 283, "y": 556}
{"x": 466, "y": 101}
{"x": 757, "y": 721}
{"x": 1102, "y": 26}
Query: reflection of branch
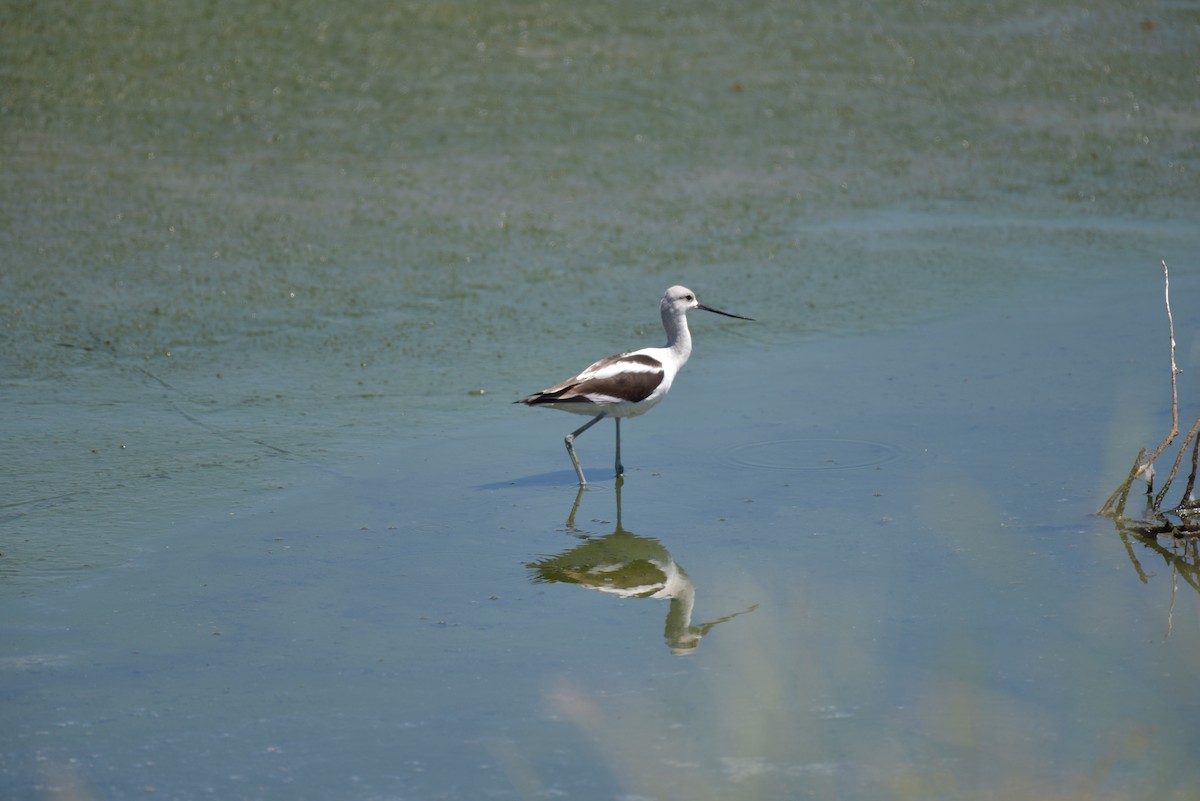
{"x": 1137, "y": 566}
{"x": 1190, "y": 571}
{"x": 1183, "y": 558}
{"x": 1171, "y": 608}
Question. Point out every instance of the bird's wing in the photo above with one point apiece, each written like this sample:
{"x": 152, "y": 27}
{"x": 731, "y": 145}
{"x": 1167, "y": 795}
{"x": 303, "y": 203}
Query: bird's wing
{"x": 630, "y": 377}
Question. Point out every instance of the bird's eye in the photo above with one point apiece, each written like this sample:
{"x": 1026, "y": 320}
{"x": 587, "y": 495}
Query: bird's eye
{"x": 688, "y": 297}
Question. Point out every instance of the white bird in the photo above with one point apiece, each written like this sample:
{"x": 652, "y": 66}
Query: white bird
{"x": 627, "y": 384}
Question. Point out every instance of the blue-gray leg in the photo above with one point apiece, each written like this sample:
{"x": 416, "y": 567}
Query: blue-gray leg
{"x": 620, "y": 467}
{"x": 570, "y": 440}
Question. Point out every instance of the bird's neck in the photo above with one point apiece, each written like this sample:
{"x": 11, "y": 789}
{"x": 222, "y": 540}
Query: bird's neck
{"x": 679, "y": 339}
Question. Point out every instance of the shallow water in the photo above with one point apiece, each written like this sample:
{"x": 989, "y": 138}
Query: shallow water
{"x": 272, "y": 527}
{"x": 938, "y": 612}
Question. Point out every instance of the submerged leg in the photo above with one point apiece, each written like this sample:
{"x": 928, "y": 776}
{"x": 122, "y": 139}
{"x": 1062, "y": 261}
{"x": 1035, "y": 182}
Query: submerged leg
{"x": 570, "y": 440}
{"x": 620, "y": 467}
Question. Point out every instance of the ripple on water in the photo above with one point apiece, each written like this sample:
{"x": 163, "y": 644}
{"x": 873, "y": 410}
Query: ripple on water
{"x": 813, "y": 454}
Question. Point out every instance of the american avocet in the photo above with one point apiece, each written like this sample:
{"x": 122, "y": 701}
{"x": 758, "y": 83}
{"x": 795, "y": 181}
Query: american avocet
{"x": 627, "y": 384}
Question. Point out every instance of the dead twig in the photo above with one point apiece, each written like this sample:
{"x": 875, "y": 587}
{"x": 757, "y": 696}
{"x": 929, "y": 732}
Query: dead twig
{"x": 1116, "y": 501}
{"x": 1174, "y": 380}
{"x": 1158, "y": 499}
{"x": 1143, "y": 466}
{"x": 1189, "y": 500}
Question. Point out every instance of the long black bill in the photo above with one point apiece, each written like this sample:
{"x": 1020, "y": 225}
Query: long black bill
{"x": 727, "y": 314}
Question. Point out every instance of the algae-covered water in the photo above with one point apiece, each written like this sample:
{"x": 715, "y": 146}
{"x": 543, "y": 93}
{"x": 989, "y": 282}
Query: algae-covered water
{"x": 271, "y": 526}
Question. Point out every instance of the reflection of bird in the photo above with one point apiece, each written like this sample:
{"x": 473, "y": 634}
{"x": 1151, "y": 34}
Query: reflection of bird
{"x": 629, "y": 566}
{"x": 627, "y": 384}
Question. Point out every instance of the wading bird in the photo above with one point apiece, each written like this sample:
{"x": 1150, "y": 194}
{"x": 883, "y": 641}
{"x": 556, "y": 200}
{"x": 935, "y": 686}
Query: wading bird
{"x": 627, "y": 384}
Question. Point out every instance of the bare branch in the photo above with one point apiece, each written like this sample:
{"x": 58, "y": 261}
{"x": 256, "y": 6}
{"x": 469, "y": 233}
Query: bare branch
{"x": 1156, "y": 522}
{"x": 1158, "y": 499}
{"x": 1174, "y": 391}
{"x": 1189, "y": 499}
{"x": 1115, "y": 505}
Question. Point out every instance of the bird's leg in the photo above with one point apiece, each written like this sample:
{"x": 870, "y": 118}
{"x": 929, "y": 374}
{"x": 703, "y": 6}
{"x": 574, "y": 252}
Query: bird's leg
{"x": 620, "y": 467}
{"x": 570, "y": 441}
{"x": 575, "y": 509}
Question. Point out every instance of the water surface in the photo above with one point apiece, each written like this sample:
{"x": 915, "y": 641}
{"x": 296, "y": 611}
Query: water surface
{"x": 271, "y": 525}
